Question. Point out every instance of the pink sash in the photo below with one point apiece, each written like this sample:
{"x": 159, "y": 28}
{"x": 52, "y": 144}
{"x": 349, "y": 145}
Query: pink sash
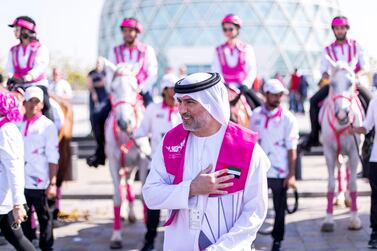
{"x": 235, "y": 154}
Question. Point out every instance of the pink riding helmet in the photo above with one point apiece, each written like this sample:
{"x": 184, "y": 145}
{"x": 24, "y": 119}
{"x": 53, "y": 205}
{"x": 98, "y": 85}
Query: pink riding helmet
{"x": 9, "y": 106}
{"x": 233, "y": 19}
{"x": 25, "y": 22}
{"x": 132, "y": 23}
{"x": 340, "y": 21}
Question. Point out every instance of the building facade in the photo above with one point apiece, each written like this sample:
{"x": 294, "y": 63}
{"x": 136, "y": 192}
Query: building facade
{"x": 286, "y": 34}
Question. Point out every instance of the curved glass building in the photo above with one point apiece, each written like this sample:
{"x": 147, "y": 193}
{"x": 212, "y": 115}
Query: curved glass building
{"x": 285, "y": 33}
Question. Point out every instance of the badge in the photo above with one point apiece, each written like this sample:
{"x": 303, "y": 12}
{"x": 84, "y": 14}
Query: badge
{"x": 195, "y": 221}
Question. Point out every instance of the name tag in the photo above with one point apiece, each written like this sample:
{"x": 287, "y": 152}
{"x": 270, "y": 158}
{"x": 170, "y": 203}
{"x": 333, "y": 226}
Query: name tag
{"x": 195, "y": 221}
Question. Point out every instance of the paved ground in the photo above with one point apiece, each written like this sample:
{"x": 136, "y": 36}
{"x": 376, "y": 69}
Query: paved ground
{"x": 91, "y": 195}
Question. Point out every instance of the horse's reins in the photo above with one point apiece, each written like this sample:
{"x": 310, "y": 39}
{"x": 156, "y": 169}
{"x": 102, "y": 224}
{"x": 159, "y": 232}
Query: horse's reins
{"x": 341, "y": 131}
{"x": 336, "y": 132}
{"x": 124, "y": 148}
{"x": 357, "y": 148}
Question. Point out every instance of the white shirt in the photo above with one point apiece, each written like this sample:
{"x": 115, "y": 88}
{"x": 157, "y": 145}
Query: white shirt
{"x": 232, "y": 60}
{"x": 156, "y": 123}
{"x": 130, "y": 57}
{"x": 341, "y": 52}
{"x": 280, "y": 136}
{"x": 41, "y": 148}
{"x": 12, "y": 180}
{"x": 61, "y": 88}
{"x": 247, "y": 215}
{"x": 370, "y": 122}
{"x": 40, "y": 64}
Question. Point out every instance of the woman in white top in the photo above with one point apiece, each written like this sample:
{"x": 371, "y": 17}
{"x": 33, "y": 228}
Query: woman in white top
{"x": 12, "y": 181}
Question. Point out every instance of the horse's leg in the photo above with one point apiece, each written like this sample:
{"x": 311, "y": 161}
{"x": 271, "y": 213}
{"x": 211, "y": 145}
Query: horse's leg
{"x": 348, "y": 199}
{"x": 340, "y": 198}
{"x": 116, "y": 238}
{"x": 355, "y": 222}
{"x": 331, "y": 158}
{"x": 130, "y": 178}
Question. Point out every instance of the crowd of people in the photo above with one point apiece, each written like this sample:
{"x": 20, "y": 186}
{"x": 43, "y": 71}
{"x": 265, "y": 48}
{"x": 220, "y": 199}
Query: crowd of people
{"x": 210, "y": 173}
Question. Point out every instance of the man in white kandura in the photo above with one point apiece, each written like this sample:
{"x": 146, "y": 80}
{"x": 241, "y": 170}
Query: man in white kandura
{"x": 158, "y": 120}
{"x": 209, "y": 172}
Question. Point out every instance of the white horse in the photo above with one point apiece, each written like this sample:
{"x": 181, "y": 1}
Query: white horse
{"x": 340, "y": 110}
{"x": 125, "y": 155}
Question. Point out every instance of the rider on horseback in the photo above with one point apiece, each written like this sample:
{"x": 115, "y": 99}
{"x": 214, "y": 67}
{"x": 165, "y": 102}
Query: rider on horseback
{"x": 131, "y": 51}
{"x": 235, "y": 60}
{"x": 28, "y": 60}
{"x": 342, "y": 49}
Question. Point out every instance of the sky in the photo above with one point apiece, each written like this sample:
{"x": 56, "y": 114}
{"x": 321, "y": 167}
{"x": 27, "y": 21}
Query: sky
{"x": 69, "y": 28}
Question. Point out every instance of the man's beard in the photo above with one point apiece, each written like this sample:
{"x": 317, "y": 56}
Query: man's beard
{"x": 197, "y": 123}
{"x": 130, "y": 41}
{"x": 341, "y": 37}
{"x": 274, "y": 104}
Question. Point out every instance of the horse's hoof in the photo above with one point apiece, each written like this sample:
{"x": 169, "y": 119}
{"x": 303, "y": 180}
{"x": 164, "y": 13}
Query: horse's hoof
{"x": 116, "y": 240}
{"x": 355, "y": 224}
{"x": 131, "y": 219}
{"x": 327, "y": 227}
{"x": 116, "y": 244}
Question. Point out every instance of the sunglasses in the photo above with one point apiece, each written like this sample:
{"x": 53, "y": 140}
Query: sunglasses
{"x": 228, "y": 29}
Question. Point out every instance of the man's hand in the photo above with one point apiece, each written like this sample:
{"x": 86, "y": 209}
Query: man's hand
{"x": 290, "y": 181}
{"x": 51, "y": 191}
{"x": 19, "y": 214}
{"x": 210, "y": 183}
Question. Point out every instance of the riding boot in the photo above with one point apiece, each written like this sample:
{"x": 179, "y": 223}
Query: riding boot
{"x": 98, "y": 119}
{"x": 313, "y": 138}
{"x": 147, "y": 98}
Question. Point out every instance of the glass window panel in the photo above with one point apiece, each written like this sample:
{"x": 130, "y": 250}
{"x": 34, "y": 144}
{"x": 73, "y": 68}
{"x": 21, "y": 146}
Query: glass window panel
{"x": 217, "y": 34}
{"x": 161, "y": 20}
{"x": 174, "y": 40}
{"x": 290, "y": 8}
{"x": 300, "y": 17}
{"x": 189, "y": 17}
{"x": 263, "y": 38}
{"x": 312, "y": 41}
{"x": 325, "y": 15}
{"x": 206, "y": 38}
{"x": 311, "y": 10}
{"x": 248, "y": 15}
{"x": 303, "y": 33}
{"x": 290, "y": 41}
{"x": 215, "y": 15}
{"x": 276, "y": 16}
{"x": 280, "y": 66}
{"x": 263, "y": 8}
{"x": 278, "y": 32}
{"x": 249, "y": 33}
{"x": 189, "y": 35}
{"x": 171, "y": 10}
